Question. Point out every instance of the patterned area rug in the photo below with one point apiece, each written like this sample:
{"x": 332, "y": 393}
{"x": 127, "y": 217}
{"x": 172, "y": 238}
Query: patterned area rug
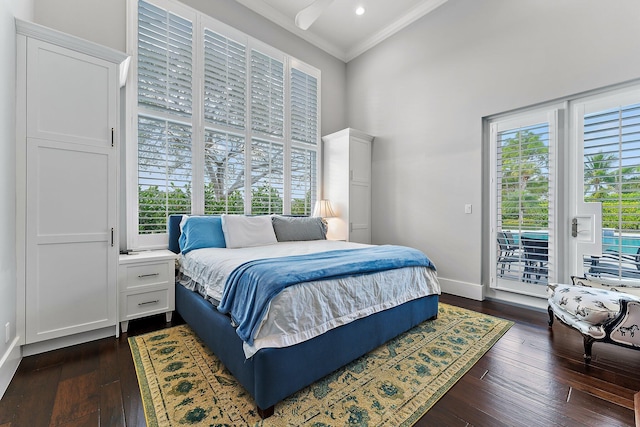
{"x": 183, "y": 383}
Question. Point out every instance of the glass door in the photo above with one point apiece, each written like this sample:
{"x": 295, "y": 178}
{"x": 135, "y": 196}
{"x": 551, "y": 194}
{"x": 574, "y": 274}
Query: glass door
{"x": 605, "y": 226}
{"x": 523, "y": 192}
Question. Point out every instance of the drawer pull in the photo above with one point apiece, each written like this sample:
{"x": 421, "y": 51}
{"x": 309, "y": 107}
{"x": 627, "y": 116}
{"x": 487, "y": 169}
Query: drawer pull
{"x": 149, "y": 302}
{"x": 142, "y": 276}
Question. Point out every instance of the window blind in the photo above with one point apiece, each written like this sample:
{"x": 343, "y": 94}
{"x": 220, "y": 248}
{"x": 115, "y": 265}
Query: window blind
{"x": 245, "y": 141}
{"x": 164, "y": 172}
{"x": 304, "y": 107}
{"x": 164, "y": 61}
{"x": 303, "y": 181}
{"x": 267, "y": 177}
{"x": 224, "y": 173}
{"x": 267, "y": 94}
{"x": 612, "y": 177}
{"x": 524, "y": 205}
{"x": 225, "y": 81}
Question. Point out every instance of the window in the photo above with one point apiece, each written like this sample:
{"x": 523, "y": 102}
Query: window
{"x": 222, "y": 123}
{"x": 523, "y": 202}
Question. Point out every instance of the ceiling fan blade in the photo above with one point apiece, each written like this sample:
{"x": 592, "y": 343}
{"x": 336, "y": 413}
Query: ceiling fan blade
{"x": 309, "y": 14}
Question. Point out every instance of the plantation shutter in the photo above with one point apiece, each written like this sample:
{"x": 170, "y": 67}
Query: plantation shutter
{"x": 165, "y": 61}
{"x": 611, "y": 139}
{"x": 267, "y": 95}
{"x": 221, "y": 123}
{"x": 304, "y": 107}
{"x": 523, "y": 202}
{"x": 304, "y": 135}
{"x": 303, "y": 181}
{"x": 225, "y": 81}
{"x": 224, "y": 173}
{"x": 267, "y": 177}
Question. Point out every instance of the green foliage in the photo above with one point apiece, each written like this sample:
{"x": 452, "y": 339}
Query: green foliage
{"x": 156, "y": 205}
{"x": 524, "y": 183}
{"x": 213, "y": 204}
{"x": 616, "y": 187}
{"x": 265, "y": 200}
{"x": 302, "y": 206}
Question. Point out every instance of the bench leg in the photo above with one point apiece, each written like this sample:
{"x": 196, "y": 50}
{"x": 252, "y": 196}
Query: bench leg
{"x": 588, "y": 343}
{"x": 550, "y": 316}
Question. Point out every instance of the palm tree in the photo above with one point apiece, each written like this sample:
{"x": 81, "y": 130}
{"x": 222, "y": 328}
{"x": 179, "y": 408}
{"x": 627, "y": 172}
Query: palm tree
{"x": 599, "y": 176}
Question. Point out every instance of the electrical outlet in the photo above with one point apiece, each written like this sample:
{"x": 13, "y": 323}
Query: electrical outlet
{"x": 7, "y": 332}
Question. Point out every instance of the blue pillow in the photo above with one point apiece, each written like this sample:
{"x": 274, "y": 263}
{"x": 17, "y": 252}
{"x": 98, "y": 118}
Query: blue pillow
{"x": 201, "y": 232}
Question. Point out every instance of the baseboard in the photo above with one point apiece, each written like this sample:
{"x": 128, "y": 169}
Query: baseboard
{"x": 54, "y": 344}
{"x": 462, "y": 289}
{"x": 9, "y": 365}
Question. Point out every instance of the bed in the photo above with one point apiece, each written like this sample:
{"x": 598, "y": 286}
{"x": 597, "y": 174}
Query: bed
{"x": 271, "y": 372}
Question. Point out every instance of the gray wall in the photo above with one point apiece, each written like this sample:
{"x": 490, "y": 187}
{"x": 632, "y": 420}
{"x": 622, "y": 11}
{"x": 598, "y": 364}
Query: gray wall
{"x": 8, "y": 280}
{"x": 423, "y": 94}
{"x": 103, "y": 21}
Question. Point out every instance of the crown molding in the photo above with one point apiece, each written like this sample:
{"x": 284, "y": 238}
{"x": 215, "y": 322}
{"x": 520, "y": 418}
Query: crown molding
{"x": 37, "y": 31}
{"x": 278, "y": 18}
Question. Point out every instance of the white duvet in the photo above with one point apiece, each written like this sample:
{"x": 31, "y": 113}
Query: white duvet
{"x": 308, "y": 309}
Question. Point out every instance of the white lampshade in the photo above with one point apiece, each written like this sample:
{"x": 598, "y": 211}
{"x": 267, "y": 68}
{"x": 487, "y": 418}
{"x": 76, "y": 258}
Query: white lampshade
{"x": 323, "y": 209}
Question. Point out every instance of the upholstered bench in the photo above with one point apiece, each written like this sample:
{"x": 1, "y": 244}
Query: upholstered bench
{"x": 601, "y": 310}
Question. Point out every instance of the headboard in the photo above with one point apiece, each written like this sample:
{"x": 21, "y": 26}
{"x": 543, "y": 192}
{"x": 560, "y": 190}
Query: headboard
{"x": 173, "y": 227}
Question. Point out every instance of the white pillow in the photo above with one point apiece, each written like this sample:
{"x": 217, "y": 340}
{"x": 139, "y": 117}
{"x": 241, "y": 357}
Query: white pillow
{"x": 242, "y": 231}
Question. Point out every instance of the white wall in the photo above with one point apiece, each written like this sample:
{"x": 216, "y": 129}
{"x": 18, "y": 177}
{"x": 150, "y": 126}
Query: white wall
{"x": 103, "y": 21}
{"x": 9, "y": 351}
{"x": 423, "y": 94}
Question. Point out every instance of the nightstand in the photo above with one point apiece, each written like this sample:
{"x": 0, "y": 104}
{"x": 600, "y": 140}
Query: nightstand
{"x": 146, "y": 284}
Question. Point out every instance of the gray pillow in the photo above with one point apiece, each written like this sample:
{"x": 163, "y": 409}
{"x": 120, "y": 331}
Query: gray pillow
{"x": 289, "y": 229}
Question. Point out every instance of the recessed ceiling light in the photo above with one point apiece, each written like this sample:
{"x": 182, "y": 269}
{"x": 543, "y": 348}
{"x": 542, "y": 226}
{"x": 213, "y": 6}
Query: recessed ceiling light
{"x": 360, "y": 10}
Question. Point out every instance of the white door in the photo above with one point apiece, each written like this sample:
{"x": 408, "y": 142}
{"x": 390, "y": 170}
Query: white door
{"x": 71, "y": 255}
{"x": 523, "y": 202}
{"x": 605, "y": 198}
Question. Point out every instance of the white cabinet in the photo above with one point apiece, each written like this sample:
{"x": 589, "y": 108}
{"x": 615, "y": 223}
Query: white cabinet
{"x": 347, "y": 184}
{"x": 146, "y": 281}
{"x": 67, "y": 175}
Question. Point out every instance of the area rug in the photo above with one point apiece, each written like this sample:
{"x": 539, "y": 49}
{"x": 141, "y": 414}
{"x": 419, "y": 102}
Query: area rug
{"x": 183, "y": 383}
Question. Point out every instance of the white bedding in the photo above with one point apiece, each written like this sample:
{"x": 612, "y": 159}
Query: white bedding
{"x": 289, "y": 319}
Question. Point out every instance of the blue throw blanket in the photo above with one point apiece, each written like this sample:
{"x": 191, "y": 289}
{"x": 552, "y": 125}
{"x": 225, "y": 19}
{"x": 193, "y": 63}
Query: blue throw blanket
{"x": 251, "y": 286}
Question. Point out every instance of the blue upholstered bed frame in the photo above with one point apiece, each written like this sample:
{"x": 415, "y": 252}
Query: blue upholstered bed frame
{"x": 275, "y": 373}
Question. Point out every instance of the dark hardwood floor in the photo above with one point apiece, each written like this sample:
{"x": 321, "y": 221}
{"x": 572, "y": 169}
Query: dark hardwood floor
{"x": 531, "y": 377}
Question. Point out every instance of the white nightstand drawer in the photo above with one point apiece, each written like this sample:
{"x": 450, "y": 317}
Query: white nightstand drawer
{"x": 145, "y": 303}
{"x": 146, "y": 274}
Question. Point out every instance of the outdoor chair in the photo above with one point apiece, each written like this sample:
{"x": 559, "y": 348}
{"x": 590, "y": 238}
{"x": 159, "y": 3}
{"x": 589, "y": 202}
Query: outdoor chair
{"x": 508, "y": 251}
{"x": 536, "y": 259}
{"x": 616, "y": 264}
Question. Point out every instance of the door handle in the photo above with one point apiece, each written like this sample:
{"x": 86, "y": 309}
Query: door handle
{"x": 574, "y": 227}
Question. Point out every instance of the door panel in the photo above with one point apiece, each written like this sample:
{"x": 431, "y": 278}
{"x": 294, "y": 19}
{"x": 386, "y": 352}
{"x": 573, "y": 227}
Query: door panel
{"x": 607, "y": 186}
{"x": 524, "y": 207}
